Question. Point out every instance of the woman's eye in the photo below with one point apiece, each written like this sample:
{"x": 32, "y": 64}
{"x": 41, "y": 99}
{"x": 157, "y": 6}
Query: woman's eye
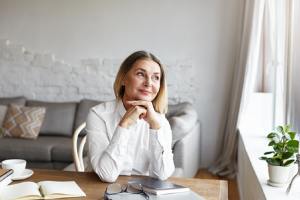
{"x": 140, "y": 74}
{"x": 156, "y": 78}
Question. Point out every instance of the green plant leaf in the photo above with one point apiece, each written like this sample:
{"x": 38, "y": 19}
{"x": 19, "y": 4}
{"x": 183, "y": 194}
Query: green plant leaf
{"x": 279, "y": 144}
{"x": 272, "y": 143}
{"x": 274, "y": 162}
{"x": 277, "y": 150}
{"x": 287, "y": 155}
{"x": 271, "y": 135}
{"x": 279, "y": 129}
{"x": 263, "y": 158}
{"x": 276, "y": 157}
{"x": 292, "y": 149}
{"x": 287, "y": 128}
{"x": 269, "y": 152}
{"x": 293, "y": 143}
{"x": 292, "y": 135}
{"x": 288, "y": 162}
{"x": 287, "y": 136}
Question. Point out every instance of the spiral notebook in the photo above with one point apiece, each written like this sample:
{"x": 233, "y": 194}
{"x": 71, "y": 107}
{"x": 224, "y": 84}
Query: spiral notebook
{"x": 5, "y": 177}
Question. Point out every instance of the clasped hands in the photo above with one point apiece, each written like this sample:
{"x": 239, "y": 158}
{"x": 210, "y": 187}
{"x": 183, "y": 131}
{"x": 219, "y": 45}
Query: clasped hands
{"x": 142, "y": 110}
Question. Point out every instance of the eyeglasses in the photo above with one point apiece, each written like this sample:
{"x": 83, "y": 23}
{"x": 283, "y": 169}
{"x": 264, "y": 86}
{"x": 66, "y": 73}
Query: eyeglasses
{"x": 133, "y": 188}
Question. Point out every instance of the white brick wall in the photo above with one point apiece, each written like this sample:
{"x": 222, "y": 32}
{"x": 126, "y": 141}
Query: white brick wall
{"x": 42, "y": 77}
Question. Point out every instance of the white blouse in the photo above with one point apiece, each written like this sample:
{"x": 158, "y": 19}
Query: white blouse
{"x": 114, "y": 150}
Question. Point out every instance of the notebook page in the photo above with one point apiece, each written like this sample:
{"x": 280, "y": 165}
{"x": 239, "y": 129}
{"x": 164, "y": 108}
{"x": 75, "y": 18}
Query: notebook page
{"x": 61, "y": 187}
{"x": 20, "y": 190}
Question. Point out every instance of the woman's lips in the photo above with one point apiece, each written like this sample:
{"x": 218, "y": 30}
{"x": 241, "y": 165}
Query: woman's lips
{"x": 145, "y": 92}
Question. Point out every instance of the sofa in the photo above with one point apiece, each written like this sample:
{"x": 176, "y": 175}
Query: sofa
{"x": 53, "y": 147}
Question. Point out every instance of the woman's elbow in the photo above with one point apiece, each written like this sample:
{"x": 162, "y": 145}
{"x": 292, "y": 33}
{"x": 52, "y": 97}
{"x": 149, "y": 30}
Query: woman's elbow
{"x": 107, "y": 178}
{"x": 163, "y": 175}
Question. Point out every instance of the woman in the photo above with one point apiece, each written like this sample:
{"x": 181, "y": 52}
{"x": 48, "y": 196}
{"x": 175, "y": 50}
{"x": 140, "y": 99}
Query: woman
{"x": 130, "y": 135}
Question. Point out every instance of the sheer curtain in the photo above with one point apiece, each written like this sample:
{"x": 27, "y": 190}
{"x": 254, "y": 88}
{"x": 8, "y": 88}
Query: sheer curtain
{"x": 278, "y": 18}
{"x": 242, "y": 86}
{"x": 293, "y": 73}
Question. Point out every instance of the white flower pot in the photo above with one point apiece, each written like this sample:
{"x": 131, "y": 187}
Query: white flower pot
{"x": 279, "y": 174}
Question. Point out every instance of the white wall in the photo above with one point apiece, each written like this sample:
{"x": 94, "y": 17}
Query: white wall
{"x": 200, "y": 32}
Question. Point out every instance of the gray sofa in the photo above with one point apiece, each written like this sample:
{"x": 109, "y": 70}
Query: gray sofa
{"x": 53, "y": 147}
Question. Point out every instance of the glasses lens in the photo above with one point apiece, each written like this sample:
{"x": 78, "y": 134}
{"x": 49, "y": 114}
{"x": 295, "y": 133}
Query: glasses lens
{"x": 114, "y": 188}
{"x": 134, "y": 188}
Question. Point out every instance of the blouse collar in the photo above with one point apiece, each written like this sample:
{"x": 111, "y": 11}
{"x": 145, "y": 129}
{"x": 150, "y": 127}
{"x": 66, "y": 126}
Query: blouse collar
{"x": 121, "y": 108}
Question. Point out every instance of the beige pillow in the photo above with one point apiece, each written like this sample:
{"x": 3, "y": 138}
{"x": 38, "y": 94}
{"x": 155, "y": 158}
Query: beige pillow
{"x": 182, "y": 118}
{"x": 23, "y": 122}
{"x": 3, "y": 110}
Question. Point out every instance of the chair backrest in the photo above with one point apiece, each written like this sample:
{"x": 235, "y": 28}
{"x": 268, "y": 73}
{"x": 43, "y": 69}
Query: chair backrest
{"x": 77, "y": 157}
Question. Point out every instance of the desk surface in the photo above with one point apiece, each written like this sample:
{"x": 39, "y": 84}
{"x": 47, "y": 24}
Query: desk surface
{"x": 94, "y": 188}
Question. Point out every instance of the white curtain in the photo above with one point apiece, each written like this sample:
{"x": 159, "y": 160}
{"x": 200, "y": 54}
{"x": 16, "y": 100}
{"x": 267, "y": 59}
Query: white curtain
{"x": 278, "y": 18}
{"x": 242, "y": 87}
{"x": 293, "y": 97}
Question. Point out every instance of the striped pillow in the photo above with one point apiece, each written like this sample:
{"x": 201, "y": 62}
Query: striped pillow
{"x": 23, "y": 122}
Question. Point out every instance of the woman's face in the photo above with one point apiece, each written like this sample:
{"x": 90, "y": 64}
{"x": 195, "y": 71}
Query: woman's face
{"x": 142, "y": 82}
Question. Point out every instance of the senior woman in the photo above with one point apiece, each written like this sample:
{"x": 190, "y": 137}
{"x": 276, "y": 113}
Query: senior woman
{"x": 130, "y": 135}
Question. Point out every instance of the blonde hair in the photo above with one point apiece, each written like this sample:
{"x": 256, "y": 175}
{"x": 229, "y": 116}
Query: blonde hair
{"x": 160, "y": 102}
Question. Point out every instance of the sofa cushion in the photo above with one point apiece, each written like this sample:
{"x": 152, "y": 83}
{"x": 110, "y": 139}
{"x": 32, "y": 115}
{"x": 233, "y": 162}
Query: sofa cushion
{"x": 182, "y": 118}
{"x": 60, "y": 165}
{"x": 3, "y": 110}
{"x": 59, "y": 118}
{"x": 83, "y": 109}
{"x": 40, "y": 165}
{"x": 23, "y": 122}
{"x": 15, "y": 100}
{"x": 38, "y": 150}
{"x": 62, "y": 152}
{"x": 71, "y": 167}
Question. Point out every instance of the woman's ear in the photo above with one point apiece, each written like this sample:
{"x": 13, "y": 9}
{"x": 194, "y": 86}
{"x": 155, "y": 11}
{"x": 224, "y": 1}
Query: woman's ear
{"x": 123, "y": 82}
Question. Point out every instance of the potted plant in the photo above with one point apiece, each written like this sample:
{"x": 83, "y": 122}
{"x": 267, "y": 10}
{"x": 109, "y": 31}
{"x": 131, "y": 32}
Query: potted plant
{"x": 284, "y": 147}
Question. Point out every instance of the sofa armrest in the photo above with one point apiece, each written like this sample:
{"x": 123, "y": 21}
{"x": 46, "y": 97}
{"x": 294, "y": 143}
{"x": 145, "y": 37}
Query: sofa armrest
{"x": 187, "y": 152}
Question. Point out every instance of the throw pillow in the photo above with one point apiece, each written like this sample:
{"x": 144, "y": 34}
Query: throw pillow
{"x": 23, "y": 122}
{"x": 182, "y": 118}
{"x": 3, "y": 110}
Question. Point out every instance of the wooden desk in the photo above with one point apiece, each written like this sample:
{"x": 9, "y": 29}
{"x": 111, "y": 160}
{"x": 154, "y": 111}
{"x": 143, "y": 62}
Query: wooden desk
{"x": 94, "y": 188}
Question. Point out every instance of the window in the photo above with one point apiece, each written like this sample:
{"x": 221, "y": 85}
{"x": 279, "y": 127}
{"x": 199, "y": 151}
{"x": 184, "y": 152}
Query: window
{"x": 267, "y": 104}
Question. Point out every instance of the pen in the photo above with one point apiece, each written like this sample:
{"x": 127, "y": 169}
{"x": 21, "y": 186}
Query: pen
{"x": 42, "y": 191}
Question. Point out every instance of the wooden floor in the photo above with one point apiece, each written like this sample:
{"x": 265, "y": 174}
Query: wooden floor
{"x": 233, "y": 192}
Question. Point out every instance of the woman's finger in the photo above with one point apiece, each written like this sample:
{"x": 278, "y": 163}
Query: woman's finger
{"x": 142, "y": 116}
{"x": 139, "y": 103}
{"x": 137, "y": 110}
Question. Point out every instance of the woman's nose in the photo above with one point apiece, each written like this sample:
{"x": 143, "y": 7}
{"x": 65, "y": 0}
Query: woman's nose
{"x": 147, "y": 81}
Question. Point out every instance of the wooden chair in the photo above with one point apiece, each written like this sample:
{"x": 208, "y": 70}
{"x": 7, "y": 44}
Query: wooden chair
{"x": 77, "y": 157}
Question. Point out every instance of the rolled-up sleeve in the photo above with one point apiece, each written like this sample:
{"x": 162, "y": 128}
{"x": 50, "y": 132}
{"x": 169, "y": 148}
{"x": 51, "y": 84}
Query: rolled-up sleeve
{"x": 106, "y": 156}
{"x": 161, "y": 163}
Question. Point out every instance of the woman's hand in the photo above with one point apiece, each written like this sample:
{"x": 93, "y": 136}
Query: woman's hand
{"x": 150, "y": 115}
{"x": 131, "y": 116}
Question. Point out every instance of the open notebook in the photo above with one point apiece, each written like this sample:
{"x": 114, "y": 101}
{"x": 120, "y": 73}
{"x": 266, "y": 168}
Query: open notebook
{"x": 51, "y": 189}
